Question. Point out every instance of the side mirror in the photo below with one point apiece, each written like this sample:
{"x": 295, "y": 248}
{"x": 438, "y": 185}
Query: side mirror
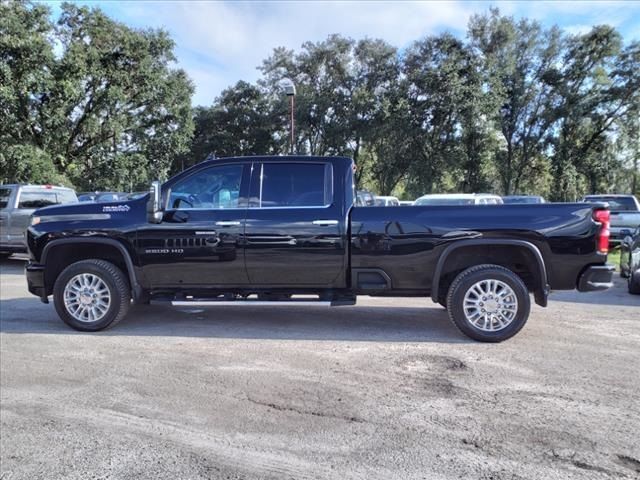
{"x": 154, "y": 207}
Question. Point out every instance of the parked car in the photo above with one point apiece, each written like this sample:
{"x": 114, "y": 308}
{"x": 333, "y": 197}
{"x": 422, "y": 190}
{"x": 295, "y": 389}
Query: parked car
{"x": 625, "y": 213}
{"x": 406, "y": 203}
{"x": 102, "y": 197}
{"x": 510, "y": 199}
{"x": 630, "y": 259}
{"x": 365, "y": 199}
{"x": 135, "y": 195}
{"x": 292, "y": 229}
{"x": 87, "y": 196}
{"x": 386, "y": 201}
{"x": 17, "y": 203}
{"x": 459, "y": 199}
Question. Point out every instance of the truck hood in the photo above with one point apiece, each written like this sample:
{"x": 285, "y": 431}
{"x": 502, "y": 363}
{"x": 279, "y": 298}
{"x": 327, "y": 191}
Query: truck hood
{"x": 93, "y": 211}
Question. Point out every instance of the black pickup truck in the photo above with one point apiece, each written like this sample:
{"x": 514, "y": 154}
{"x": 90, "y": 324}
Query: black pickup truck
{"x": 284, "y": 230}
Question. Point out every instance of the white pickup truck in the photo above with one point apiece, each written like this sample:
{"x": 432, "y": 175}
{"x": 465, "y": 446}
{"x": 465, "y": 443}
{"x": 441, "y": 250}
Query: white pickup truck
{"x": 625, "y": 213}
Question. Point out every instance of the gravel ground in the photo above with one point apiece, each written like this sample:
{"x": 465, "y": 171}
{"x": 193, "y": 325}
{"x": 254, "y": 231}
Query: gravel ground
{"x": 387, "y": 389}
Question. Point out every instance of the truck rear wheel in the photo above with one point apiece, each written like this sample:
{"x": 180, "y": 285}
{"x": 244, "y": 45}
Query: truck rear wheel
{"x": 91, "y": 295}
{"x": 488, "y": 303}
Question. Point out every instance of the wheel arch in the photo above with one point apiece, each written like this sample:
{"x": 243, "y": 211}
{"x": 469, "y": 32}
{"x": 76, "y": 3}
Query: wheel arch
{"x": 60, "y": 253}
{"x": 531, "y": 254}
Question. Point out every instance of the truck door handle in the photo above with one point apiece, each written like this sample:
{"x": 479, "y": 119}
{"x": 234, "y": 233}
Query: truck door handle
{"x": 271, "y": 240}
{"x": 228, "y": 224}
{"x": 325, "y": 223}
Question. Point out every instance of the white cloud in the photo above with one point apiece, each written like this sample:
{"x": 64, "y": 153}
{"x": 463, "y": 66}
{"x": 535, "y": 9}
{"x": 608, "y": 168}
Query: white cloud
{"x": 577, "y": 29}
{"x": 219, "y": 43}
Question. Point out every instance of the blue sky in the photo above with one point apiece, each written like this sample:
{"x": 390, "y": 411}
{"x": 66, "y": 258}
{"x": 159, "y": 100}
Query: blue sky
{"x": 219, "y": 43}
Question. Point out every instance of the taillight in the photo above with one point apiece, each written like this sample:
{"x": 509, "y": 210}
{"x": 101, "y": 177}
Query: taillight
{"x": 602, "y": 217}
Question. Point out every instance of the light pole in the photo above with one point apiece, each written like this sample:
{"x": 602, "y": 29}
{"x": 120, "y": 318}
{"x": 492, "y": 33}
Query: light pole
{"x": 290, "y": 91}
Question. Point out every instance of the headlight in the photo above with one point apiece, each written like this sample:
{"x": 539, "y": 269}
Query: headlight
{"x": 35, "y": 220}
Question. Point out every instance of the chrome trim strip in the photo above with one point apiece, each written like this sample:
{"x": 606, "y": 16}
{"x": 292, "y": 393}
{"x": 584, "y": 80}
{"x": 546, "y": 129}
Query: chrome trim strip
{"x": 325, "y": 223}
{"x": 245, "y": 208}
{"x": 74, "y": 216}
{"x": 261, "y": 180}
{"x": 260, "y": 303}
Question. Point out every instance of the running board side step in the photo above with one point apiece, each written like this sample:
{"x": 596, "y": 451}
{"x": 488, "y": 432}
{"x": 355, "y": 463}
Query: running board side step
{"x": 261, "y": 303}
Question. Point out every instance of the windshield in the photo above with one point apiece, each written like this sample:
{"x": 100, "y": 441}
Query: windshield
{"x": 616, "y": 204}
{"x": 444, "y": 201}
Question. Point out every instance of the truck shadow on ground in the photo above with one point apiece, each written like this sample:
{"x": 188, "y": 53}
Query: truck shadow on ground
{"x": 354, "y": 324}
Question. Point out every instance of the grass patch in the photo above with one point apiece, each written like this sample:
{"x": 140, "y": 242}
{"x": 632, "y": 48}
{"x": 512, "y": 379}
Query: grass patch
{"x": 614, "y": 258}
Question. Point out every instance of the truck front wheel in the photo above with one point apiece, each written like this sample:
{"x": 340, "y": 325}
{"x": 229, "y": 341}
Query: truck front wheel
{"x": 488, "y": 303}
{"x": 634, "y": 283}
{"x": 91, "y": 295}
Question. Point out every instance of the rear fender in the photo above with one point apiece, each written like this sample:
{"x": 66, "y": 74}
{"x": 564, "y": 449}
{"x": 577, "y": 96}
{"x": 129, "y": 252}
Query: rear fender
{"x": 541, "y": 286}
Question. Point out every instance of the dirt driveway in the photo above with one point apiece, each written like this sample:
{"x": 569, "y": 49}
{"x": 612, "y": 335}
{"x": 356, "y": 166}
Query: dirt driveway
{"x": 387, "y": 389}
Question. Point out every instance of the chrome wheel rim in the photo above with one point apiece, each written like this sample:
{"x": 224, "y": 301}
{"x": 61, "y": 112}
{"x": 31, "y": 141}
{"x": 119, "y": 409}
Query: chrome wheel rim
{"x": 490, "y": 305}
{"x": 87, "y": 297}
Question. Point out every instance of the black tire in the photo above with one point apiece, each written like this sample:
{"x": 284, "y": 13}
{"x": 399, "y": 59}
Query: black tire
{"x": 468, "y": 278}
{"x": 116, "y": 282}
{"x": 634, "y": 283}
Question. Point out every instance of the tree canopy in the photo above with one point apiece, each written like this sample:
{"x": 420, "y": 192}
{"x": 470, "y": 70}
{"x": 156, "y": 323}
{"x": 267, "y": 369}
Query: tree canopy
{"x": 87, "y": 100}
{"x": 511, "y": 108}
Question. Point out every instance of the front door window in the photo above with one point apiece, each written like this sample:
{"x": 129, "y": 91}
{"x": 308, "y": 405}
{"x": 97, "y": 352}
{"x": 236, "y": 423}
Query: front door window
{"x": 215, "y": 188}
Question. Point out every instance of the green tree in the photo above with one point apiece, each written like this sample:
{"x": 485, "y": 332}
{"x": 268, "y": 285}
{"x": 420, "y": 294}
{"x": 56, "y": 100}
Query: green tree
{"x": 240, "y": 122}
{"x": 597, "y": 85}
{"x": 116, "y": 105}
{"x": 26, "y": 59}
{"x": 108, "y": 112}
{"x": 517, "y": 60}
{"x": 342, "y": 87}
{"x": 437, "y": 71}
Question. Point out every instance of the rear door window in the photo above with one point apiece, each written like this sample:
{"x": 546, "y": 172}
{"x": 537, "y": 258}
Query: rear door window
{"x": 5, "y": 195}
{"x": 295, "y": 185}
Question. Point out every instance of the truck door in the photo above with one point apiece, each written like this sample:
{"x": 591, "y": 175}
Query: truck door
{"x": 296, "y": 225}
{"x": 199, "y": 242}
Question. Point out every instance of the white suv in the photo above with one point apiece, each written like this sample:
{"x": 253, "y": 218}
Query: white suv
{"x": 459, "y": 199}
